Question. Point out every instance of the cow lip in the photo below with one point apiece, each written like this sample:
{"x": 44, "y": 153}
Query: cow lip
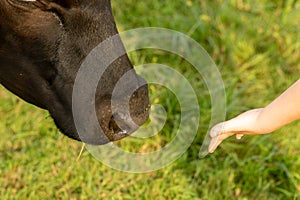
{"x": 122, "y": 132}
{"x": 119, "y": 136}
{"x": 117, "y": 131}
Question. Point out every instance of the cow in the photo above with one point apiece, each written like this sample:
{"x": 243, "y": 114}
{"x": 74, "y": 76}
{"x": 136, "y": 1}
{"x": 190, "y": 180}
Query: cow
{"x": 42, "y": 46}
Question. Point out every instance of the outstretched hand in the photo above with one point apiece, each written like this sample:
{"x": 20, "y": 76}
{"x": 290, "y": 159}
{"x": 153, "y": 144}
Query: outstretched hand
{"x": 245, "y": 123}
{"x": 283, "y": 110}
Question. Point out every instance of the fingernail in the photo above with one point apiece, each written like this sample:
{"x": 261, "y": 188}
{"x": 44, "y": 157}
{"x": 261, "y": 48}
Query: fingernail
{"x": 217, "y": 129}
{"x": 212, "y": 133}
{"x": 239, "y": 137}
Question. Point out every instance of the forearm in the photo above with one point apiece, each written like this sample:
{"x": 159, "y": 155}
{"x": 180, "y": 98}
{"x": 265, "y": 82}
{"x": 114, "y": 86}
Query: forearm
{"x": 283, "y": 110}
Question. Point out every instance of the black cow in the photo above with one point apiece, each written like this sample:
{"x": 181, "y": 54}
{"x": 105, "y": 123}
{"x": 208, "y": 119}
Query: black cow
{"x": 42, "y": 45}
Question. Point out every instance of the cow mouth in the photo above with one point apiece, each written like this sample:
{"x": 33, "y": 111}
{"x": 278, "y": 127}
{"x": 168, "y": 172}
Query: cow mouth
{"x": 123, "y": 124}
{"x": 122, "y": 117}
{"x": 118, "y": 131}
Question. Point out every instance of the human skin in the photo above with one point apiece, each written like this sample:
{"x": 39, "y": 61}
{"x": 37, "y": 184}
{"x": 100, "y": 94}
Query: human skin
{"x": 283, "y": 110}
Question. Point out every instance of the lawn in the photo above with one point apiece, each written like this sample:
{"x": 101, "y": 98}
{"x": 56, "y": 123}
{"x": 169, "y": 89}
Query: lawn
{"x": 256, "y": 46}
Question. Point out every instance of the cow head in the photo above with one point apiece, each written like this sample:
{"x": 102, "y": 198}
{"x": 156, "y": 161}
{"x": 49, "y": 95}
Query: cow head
{"x": 43, "y": 44}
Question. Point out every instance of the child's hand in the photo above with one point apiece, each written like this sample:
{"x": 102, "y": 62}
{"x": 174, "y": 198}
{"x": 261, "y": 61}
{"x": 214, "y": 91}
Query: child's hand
{"x": 246, "y": 123}
{"x": 283, "y": 110}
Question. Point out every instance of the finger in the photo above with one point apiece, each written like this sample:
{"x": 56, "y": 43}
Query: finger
{"x": 217, "y": 129}
{"x": 214, "y": 145}
{"x": 239, "y": 136}
{"x": 216, "y": 141}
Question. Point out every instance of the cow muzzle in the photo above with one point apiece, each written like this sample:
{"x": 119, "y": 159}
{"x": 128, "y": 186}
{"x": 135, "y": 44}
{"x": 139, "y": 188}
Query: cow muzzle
{"x": 122, "y": 116}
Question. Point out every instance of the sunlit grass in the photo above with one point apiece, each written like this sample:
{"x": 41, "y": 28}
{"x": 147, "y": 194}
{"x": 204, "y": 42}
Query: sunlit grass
{"x": 256, "y": 46}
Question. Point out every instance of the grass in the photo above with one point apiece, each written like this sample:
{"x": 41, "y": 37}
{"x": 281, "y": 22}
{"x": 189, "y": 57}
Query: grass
{"x": 256, "y": 46}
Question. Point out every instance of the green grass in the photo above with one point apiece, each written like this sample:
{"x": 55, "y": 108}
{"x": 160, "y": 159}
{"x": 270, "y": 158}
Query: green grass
{"x": 256, "y": 46}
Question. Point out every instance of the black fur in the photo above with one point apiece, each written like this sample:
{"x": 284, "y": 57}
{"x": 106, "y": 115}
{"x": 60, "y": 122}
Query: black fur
{"x": 42, "y": 45}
